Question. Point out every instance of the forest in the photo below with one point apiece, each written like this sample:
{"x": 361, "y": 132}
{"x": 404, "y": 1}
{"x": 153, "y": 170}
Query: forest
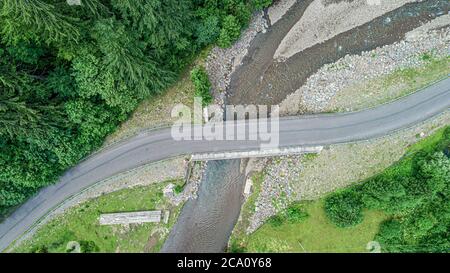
{"x": 70, "y": 74}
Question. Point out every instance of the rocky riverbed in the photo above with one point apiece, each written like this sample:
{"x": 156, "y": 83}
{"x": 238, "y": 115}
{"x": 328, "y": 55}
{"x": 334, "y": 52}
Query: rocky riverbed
{"x": 323, "y": 20}
{"x": 316, "y": 95}
{"x": 292, "y": 178}
{"x": 247, "y": 73}
{"x": 222, "y": 62}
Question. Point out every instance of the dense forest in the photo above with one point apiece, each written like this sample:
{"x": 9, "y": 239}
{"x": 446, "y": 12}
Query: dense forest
{"x": 414, "y": 193}
{"x": 69, "y": 74}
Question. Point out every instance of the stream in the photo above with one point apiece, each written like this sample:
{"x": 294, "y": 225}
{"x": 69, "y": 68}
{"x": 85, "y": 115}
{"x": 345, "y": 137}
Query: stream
{"x": 205, "y": 224}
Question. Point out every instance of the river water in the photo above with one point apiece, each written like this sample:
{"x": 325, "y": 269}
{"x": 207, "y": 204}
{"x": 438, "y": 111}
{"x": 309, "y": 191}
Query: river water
{"x": 205, "y": 224}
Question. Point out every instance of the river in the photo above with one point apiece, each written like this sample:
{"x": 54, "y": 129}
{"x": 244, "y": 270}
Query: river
{"x": 205, "y": 224}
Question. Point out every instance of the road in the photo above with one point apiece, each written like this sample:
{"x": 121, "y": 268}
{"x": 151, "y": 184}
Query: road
{"x": 156, "y": 145}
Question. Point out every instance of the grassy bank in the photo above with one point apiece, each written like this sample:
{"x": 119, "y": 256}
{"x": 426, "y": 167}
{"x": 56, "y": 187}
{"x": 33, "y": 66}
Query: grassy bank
{"x": 415, "y": 192}
{"x": 397, "y": 219}
{"x": 315, "y": 233}
{"x": 387, "y": 88}
{"x": 81, "y": 224}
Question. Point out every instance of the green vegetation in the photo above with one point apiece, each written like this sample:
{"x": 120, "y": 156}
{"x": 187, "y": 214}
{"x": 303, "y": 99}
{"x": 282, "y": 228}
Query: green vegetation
{"x": 260, "y": 4}
{"x": 399, "y": 83}
{"x": 344, "y": 209}
{"x": 230, "y": 31}
{"x": 405, "y": 208}
{"x": 81, "y": 224}
{"x": 312, "y": 233}
{"x": 70, "y": 74}
{"x": 246, "y": 212}
{"x": 415, "y": 193}
{"x": 202, "y": 85}
{"x": 179, "y": 188}
{"x": 426, "y": 57}
{"x": 293, "y": 214}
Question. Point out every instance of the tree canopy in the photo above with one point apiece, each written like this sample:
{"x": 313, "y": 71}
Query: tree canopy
{"x": 69, "y": 74}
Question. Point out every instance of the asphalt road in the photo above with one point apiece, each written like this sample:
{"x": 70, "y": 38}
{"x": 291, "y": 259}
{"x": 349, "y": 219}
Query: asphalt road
{"x": 294, "y": 131}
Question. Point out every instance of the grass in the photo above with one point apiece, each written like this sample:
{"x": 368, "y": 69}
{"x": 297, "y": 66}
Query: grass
{"x": 313, "y": 234}
{"x": 80, "y": 223}
{"x": 316, "y": 233}
{"x": 390, "y": 87}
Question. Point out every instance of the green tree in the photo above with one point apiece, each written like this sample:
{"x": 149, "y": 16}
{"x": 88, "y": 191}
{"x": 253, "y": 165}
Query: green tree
{"x": 38, "y": 21}
{"x": 208, "y": 31}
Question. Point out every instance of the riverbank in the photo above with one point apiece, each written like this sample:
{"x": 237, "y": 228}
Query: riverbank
{"x": 81, "y": 224}
{"x": 324, "y": 20}
{"x": 314, "y": 176}
{"x": 352, "y": 83}
{"x": 307, "y": 177}
{"x": 374, "y": 77}
{"x": 263, "y": 80}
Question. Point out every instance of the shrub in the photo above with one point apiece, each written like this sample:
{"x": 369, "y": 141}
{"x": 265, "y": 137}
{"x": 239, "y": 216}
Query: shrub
{"x": 236, "y": 247}
{"x": 344, "y": 208}
{"x": 261, "y": 4}
{"x": 276, "y": 220}
{"x": 202, "y": 85}
{"x": 384, "y": 193}
{"x": 293, "y": 214}
{"x": 426, "y": 57}
{"x": 434, "y": 171}
{"x": 230, "y": 32}
{"x": 89, "y": 247}
{"x": 40, "y": 249}
{"x": 296, "y": 213}
{"x": 243, "y": 14}
{"x": 178, "y": 189}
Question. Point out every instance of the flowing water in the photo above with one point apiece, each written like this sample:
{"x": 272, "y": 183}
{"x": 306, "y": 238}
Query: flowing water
{"x": 205, "y": 223}
{"x": 262, "y": 80}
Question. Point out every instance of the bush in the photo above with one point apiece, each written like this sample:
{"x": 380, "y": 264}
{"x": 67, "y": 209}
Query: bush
{"x": 202, "y": 85}
{"x": 293, "y": 214}
{"x": 344, "y": 208}
{"x": 276, "y": 220}
{"x": 236, "y": 247}
{"x": 40, "y": 249}
{"x": 230, "y": 32}
{"x": 296, "y": 213}
{"x": 387, "y": 193}
{"x": 261, "y": 4}
{"x": 89, "y": 247}
{"x": 178, "y": 189}
{"x": 415, "y": 191}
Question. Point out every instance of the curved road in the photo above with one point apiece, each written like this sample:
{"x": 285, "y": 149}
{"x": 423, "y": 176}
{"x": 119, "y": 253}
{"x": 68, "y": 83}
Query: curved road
{"x": 294, "y": 131}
